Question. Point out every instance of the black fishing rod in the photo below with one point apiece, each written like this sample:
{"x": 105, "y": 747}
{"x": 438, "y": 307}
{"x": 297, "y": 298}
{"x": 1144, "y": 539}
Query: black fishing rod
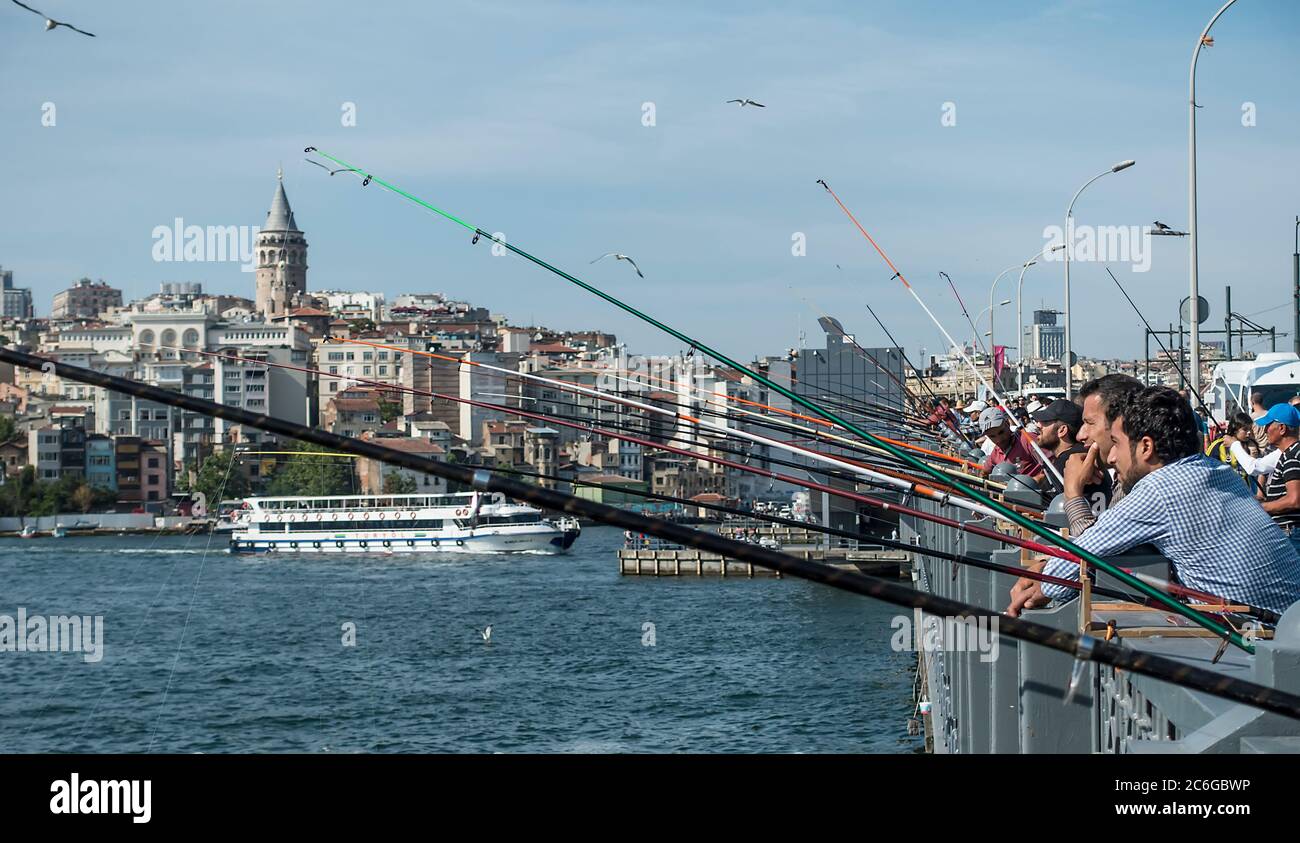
{"x": 813, "y": 527}
{"x": 919, "y": 377}
{"x": 1081, "y": 647}
{"x": 1168, "y": 354}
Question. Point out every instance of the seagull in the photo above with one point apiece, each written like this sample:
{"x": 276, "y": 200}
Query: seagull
{"x": 323, "y": 167}
{"x": 51, "y": 23}
{"x": 743, "y": 103}
{"x": 485, "y": 634}
{"x": 620, "y": 257}
{"x": 1161, "y": 226}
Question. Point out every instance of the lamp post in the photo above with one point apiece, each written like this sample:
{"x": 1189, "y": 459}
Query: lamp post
{"x": 1069, "y": 247}
{"x": 990, "y": 310}
{"x": 1191, "y": 199}
{"x": 1020, "y": 313}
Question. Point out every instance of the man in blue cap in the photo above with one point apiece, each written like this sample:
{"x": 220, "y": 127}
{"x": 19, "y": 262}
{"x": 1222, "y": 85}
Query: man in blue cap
{"x": 1281, "y": 494}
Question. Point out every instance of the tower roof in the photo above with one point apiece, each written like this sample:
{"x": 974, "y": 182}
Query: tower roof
{"x": 280, "y": 217}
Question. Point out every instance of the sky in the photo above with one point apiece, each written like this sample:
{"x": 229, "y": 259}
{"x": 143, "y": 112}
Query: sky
{"x": 527, "y": 118}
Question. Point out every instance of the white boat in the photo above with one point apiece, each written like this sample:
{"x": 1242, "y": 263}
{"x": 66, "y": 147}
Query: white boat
{"x": 469, "y": 522}
{"x": 28, "y": 532}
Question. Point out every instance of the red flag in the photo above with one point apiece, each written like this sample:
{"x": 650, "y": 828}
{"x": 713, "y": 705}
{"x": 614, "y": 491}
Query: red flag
{"x": 999, "y": 360}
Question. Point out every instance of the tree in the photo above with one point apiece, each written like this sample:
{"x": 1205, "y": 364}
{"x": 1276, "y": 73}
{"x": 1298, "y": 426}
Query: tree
{"x": 220, "y": 478}
{"x": 388, "y": 410}
{"x": 8, "y": 430}
{"x": 84, "y": 498}
{"x": 310, "y": 473}
{"x": 399, "y": 483}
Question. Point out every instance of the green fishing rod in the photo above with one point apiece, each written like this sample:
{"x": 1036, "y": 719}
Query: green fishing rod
{"x": 1081, "y": 647}
{"x": 1009, "y": 514}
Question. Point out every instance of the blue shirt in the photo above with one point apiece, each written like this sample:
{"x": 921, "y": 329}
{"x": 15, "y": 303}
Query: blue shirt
{"x": 1201, "y": 517}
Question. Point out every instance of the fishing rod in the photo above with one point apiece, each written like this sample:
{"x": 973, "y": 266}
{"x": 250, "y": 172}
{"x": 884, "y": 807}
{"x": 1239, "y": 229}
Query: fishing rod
{"x": 981, "y": 499}
{"x": 826, "y": 320}
{"x": 919, "y": 377}
{"x": 1081, "y": 647}
{"x": 891, "y": 483}
{"x": 975, "y": 332}
{"x": 710, "y": 396}
{"x": 1168, "y": 354}
{"x": 810, "y": 526}
{"x": 1227, "y": 633}
{"x": 588, "y": 427}
{"x": 616, "y": 399}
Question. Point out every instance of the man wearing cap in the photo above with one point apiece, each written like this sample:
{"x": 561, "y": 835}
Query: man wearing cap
{"x": 1007, "y": 446}
{"x": 1059, "y": 424}
{"x": 1281, "y": 494}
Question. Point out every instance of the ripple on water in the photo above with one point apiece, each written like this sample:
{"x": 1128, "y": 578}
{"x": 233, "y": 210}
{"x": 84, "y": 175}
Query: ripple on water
{"x": 737, "y": 666}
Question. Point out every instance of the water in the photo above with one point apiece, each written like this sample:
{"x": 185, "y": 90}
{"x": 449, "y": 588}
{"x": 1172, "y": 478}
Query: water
{"x": 739, "y": 665}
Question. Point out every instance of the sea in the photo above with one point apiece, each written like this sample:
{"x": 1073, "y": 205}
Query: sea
{"x": 207, "y": 652}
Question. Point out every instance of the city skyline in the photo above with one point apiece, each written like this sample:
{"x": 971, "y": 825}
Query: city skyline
{"x": 703, "y": 199}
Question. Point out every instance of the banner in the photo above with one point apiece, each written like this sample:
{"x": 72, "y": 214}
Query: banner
{"x": 999, "y": 360}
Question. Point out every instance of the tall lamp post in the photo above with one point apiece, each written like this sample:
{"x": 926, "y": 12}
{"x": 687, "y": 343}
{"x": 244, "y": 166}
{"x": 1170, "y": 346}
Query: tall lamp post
{"x": 1069, "y": 247}
{"x": 1020, "y": 314}
{"x": 1191, "y": 198}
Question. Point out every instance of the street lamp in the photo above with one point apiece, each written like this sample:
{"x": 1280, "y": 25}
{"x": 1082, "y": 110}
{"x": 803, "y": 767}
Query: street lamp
{"x": 1069, "y": 244}
{"x": 1020, "y": 314}
{"x": 989, "y": 311}
{"x": 1204, "y": 40}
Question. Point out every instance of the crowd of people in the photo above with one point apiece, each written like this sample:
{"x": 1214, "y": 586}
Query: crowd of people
{"x": 1138, "y": 466}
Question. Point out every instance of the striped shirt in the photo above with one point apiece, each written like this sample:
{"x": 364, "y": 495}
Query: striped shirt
{"x": 1288, "y": 468}
{"x": 1198, "y": 514}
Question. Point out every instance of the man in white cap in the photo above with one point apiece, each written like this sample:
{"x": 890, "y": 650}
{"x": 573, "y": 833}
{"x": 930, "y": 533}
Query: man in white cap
{"x": 1007, "y": 446}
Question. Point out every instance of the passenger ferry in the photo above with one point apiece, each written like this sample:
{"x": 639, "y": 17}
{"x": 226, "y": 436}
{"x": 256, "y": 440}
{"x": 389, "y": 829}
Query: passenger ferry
{"x": 470, "y": 522}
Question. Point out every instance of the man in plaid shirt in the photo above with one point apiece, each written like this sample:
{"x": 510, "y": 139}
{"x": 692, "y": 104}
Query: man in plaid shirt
{"x": 1195, "y": 511}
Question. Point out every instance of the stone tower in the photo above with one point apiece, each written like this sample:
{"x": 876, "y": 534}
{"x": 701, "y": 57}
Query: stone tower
{"x": 281, "y": 258}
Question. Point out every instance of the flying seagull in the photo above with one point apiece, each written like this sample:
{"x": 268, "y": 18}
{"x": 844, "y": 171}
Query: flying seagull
{"x": 51, "y": 23}
{"x": 743, "y": 103}
{"x": 327, "y": 169}
{"x": 485, "y": 634}
{"x": 620, "y": 257}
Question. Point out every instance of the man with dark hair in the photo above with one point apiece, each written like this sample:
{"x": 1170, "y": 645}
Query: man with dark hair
{"x": 1102, "y": 398}
{"x": 1195, "y": 511}
{"x": 1059, "y": 424}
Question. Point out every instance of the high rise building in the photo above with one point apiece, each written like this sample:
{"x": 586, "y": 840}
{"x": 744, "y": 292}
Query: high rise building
{"x": 17, "y": 302}
{"x": 1044, "y": 339}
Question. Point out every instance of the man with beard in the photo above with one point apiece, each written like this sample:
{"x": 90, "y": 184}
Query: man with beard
{"x": 1195, "y": 511}
{"x": 1059, "y": 424}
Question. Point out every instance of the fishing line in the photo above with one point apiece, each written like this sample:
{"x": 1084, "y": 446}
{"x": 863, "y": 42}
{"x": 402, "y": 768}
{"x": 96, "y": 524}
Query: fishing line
{"x": 1080, "y": 647}
{"x": 983, "y": 500}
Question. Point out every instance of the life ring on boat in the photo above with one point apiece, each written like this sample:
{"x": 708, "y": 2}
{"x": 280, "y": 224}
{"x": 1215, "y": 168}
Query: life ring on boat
{"x": 339, "y": 545}
{"x": 320, "y": 516}
{"x": 462, "y": 512}
{"x": 410, "y": 542}
{"x": 365, "y": 516}
{"x": 293, "y": 545}
{"x": 364, "y": 544}
{"x": 387, "y": 543}
{"x": 414, "y": 513}
{"x": 316, "y": 545}
{"x": 460, "y": 542}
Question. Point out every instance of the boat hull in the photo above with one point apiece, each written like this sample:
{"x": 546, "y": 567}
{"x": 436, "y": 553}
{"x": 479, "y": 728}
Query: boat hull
{"x": 550, "y": 541}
